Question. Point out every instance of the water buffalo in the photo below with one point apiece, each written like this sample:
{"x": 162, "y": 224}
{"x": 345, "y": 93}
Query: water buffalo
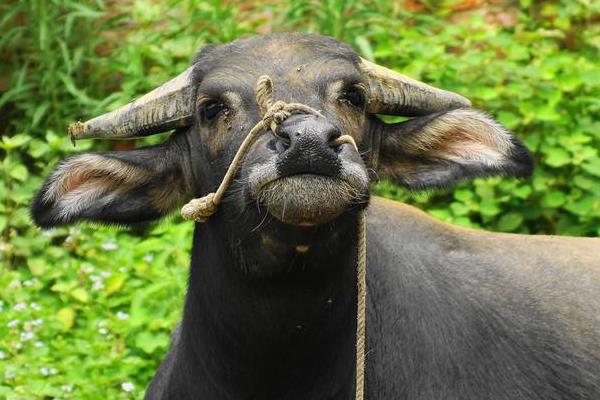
{"x": 270, "y": 312}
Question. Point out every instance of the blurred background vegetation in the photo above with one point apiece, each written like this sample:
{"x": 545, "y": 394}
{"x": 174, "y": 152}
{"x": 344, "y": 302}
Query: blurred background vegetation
{"x": 86, "y": 311}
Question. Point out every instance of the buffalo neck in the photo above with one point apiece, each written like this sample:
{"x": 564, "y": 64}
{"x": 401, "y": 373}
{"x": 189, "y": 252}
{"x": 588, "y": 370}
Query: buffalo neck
{"x": 272, "y": 310}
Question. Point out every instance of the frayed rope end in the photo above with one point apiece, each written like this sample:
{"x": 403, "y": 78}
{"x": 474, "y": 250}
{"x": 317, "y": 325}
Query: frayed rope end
{"x": 200, "y": 209}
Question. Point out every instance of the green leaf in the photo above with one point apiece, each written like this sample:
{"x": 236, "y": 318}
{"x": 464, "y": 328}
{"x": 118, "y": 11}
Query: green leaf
{"x": 37, "y": 148}
{"x": 585, "y": 183}
{"x": 522, "y": 192}
{"x": 509, "y": 119}
{"x": 63, "y": 286}
{"x": 16, "y": 141}
{"x": 19, "y": 172}
{"x": 587, "y": 205}
{"x": 463, "y": 195}
{"x": 39, "y": 113}
{"x": 37, "y": 266}
{"x": 114, "y": 283}
{"x": 557, "y": 157}
{"x": 66, "y": 317}
{"x": 442, "y": 214}
{"x": 365, "y": 47}
{"x": 592, "y": 166}
{"x": 510, "y": 221}
{"x": 80, "y": 294}
{"x": 553, "y": 199}
{"x": 547, "y": 113}
{"x": 459, "y": 209}
{"x": 488, "y": 207}
{"x": 149, "y": 342}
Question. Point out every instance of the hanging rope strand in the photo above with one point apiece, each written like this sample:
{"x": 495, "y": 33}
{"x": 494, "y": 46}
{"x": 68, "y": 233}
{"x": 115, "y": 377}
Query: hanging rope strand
{"x": 274, "y": 113}
{"x": 361, "y": 306}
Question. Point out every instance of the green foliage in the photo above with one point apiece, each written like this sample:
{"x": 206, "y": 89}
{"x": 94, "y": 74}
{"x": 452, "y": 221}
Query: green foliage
{"x": 87, "y": 311}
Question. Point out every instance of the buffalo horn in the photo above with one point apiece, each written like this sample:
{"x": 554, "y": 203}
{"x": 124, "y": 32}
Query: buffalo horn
{"x": 166, "y": 107}
{"x": 394, "y": 94}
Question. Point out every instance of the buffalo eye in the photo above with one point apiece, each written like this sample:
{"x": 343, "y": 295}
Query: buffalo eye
{"x": 354, "y": 95}
{"x": 210, "y": 110}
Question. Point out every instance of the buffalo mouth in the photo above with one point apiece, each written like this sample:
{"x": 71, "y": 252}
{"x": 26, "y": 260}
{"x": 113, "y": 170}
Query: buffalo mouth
{"x": 310, "y": 199}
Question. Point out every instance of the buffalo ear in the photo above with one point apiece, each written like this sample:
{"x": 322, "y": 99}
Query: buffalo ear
{"x": 123, "y": 187}
{"x": 440, "y": 149}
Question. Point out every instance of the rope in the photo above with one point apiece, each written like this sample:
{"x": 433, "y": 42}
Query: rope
{"x": 273, "y": 114}
{"x": 361, "y": 306}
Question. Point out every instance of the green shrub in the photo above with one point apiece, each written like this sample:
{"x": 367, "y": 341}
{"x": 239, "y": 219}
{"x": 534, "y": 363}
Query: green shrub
{"x": 86, "y": 311}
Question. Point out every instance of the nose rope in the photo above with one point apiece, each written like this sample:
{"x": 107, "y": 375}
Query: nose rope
{"x": 273, "y": 114}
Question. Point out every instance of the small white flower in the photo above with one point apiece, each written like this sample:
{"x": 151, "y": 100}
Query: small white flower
{"x": 38, "y": 321}
{"x": 49, "y": 232}
{"x": 35, "y": 306}
{"x": 68, "y": 388}
{"x": 38, "y": 344}
{"x": 20, "y": 306}
{"x": 86, "y": 268}
{"x": 28, "y": 283}
{"x": 13, "y": 323}
{"x": 103, "y": 331}
{"x": 122, "y": 315}
{"x": 148, "y": 258}
{"x": 2, "y": 355}
{"x": 69, "y": 239}
{"x": 97, "y": 286}
{"x": 105, "y": 274}
{"x": 110, "y": 245}
{"x": 8, "y": 375}
{"x": 14, "y": 284}
{"x": 127, "y": 387}
{"x": 27, "y": 336}
{"x": 45, "y": 371}
{"x": 101, "y": 323}
{"x": 95, "y": 278}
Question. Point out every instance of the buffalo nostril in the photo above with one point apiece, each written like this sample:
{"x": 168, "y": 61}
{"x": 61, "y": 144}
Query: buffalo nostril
{"x": 282, "y": 140}
{"x": 282, "y": 134}
{"x": 332, "y": 137}
{"x": 281, "y": 146}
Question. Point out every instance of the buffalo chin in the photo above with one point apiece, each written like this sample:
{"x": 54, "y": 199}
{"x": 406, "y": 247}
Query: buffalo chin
{"x": 307, "y": 200}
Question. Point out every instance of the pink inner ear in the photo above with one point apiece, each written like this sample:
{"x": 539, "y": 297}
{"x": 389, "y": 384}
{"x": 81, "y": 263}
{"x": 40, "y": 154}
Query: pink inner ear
{"x": 80, "y": 176}
{"x": 96, "y": 173}
{"x": 463, "y": 135}
{"x": 85, "y": 175}
{"x": 72, "y": 183}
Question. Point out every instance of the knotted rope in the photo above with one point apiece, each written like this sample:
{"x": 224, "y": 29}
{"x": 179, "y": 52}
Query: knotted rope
{"x": 273, "y": 114}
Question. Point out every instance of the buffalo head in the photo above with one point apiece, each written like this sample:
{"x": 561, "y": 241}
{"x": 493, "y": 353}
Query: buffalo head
{"x": 298, "y": 176}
